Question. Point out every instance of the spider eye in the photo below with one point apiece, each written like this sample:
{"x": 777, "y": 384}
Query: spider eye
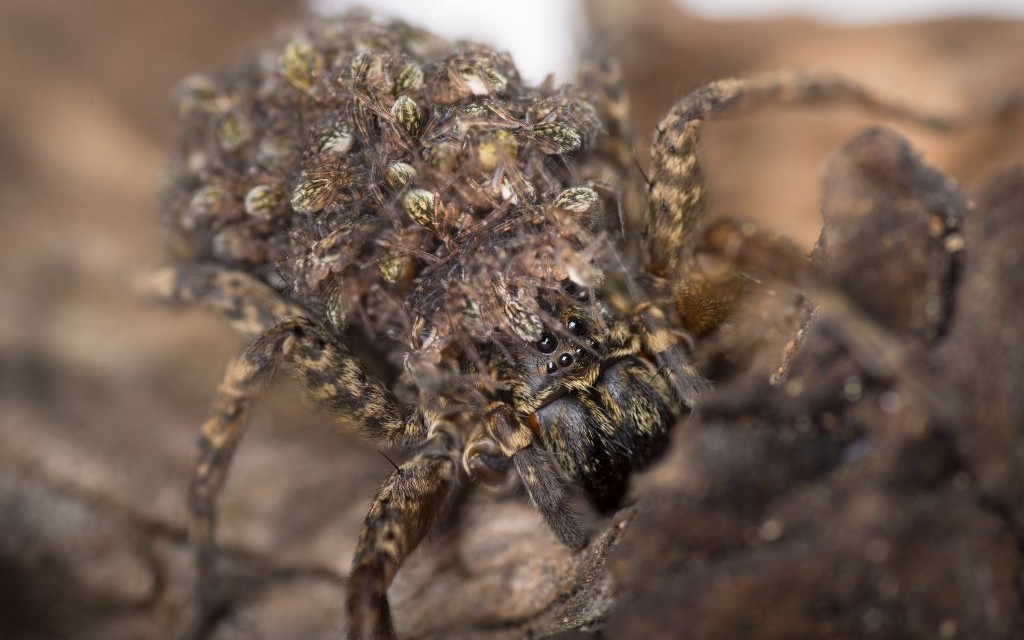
{"x": 547, "y": 343}
{"x": 565, "y": 360}
{"x": 576, "y": 326}
{"x": 574, "y": 290}
{"x": 552, "y": 367}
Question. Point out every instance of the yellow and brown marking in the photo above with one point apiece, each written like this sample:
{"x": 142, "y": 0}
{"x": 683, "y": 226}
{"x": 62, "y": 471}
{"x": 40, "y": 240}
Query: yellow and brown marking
{"x": 398, "y": 519}
{"x": 330, "y": 374}
{"x": 677, "y": 193}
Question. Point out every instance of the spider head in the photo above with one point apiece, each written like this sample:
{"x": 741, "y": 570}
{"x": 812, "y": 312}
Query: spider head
{"x": 567, "y": 354}
{"x": 596, "y": 404}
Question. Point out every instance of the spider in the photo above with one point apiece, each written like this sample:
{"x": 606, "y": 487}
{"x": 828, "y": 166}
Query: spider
{"x": 363, "y": 181}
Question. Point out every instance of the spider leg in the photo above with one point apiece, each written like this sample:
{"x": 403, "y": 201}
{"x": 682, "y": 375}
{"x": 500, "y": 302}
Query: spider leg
{"x": 659, "y": 340}
{"x": 751, "y": 249}
{"x": 330, "y": 375}
{"x": 484, "y": 461}
{"x": 770, "y": 256}
{"x": 549, "y": 495}
{"x": 399, "y": 518}
{"x": 602, "y": 76}
{"x": 249, "y": 305}
{"x": 677, "y": 192}
{"x": 543, "y": 484}
{"x": 219, "y": 436}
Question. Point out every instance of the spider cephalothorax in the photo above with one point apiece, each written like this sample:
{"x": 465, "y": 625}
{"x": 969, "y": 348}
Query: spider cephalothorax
{"x": 366, "y": 178}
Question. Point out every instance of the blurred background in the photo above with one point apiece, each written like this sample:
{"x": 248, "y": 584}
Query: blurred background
{"x": 101, "y": 393}
{"x": 545, "y": 37}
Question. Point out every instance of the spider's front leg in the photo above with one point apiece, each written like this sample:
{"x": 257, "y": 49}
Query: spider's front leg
{"x": 399, "y": 518}
{"x": 659, "y": 340}
{"x": 407, "y": 504}
{"x": 677, "y": 194}
{"x": 331, "y": 375}
{"x": 505, "y": 440}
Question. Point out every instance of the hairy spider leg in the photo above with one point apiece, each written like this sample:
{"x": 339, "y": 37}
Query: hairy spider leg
{"x": 677, "y": 194}
{"x": 541, "y": 479}
{"x": 253, "y": 309}
{"x": 660, "y": 341}
{"x": 248, "y": 305}
{"x": 400, "y": 516}
{"x": 876, "y": 349}
{"x": 331, "y": 375}
{"x": 602, "y": 77}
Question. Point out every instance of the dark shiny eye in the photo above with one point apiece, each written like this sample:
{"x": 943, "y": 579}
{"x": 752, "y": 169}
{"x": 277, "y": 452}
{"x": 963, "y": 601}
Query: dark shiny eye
{"x": 547, "y": 343}
{"x": 576, "y": 326}
{"x": 565, "y": 360}
{"x": 574, "y": 290}
{"x": 552, "y": 367}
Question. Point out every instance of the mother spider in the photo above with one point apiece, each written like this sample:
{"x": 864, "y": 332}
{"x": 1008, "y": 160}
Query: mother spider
{"x": 366, "y": 178}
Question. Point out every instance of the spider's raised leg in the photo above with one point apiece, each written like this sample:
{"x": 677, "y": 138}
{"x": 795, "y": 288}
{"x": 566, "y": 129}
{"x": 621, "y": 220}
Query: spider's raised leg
{"x": 399, "y": 518}
{"x": 248, "y": 305}
{"x": 677, "y": 192}
{"x": 331, "y": 375}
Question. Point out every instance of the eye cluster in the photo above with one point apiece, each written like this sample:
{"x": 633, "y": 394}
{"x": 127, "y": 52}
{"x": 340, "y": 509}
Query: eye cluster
{"x": 548, "y": 344}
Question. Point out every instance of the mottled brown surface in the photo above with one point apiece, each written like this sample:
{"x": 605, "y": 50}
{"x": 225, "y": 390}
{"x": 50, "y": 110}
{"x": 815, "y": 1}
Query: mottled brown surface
{"x": 892, "y": 516}
{"x": 864, "y": 497}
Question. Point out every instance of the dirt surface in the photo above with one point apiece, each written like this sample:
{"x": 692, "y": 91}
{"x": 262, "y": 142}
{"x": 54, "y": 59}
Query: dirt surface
{"x": 874, "y": 492}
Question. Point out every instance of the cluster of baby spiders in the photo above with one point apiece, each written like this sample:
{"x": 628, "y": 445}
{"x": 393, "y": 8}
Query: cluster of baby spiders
{"x": 366, "y": 177}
